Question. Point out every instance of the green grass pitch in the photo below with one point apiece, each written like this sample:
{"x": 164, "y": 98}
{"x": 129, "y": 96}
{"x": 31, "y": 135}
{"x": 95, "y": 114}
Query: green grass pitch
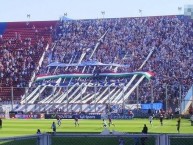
{"x": 21, "y": 127}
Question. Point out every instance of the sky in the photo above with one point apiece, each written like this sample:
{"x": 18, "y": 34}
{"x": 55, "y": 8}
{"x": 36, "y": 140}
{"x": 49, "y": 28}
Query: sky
{"x": 43, "y": 10}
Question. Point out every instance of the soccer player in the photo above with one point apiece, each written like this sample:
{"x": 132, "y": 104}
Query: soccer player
{"x": 178, "y": 124}
{"x": 1, "y": 122}
{"x": 76, "y": 121}
{"x": 104, "y": 123}
{"x": 59, "y": 120}
{"x": 161, "y": 119}
{"x": 110, "y": 121}
{"x": 150, "y": 119}
{"x": 191, "y": 119}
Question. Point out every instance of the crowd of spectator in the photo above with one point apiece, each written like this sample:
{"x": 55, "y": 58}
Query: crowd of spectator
{"x": 126, "y": 41}
{"x": 20, "y": 50}
{"x": 129, "y": 41}
{"x": 18, "y": 54}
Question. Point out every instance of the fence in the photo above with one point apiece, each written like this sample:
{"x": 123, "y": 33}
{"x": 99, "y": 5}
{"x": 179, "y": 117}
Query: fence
{"x": 29, "y": 140}
{"x": 186, "y": 139}
{"x": 92, "y": 98}
{"x": 97, "y": 139}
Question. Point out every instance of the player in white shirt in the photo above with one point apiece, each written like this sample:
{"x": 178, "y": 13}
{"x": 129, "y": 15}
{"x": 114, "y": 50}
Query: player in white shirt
{"x": 150, "y": 119}
{"x": 104, "y": 123}
{"x": 59, "y": 120}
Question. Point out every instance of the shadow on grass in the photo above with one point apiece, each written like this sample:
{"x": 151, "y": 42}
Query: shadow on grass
{"x": 19, "y": 142}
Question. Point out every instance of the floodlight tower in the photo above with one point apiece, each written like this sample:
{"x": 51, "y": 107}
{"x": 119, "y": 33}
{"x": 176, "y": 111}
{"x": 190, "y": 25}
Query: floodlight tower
{"x": 64, "y": 18}
{"x": 28, "y": 16}
{"x": 179, "y": 10}
{"x": 103, "y": 13}
{"x": 65, "y": 14}
{"x": 28, "y": 19}
{"x": 140, "y": 12}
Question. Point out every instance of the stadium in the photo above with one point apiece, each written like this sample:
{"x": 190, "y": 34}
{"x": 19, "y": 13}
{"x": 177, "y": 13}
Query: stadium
{"x": 100, "y": 80}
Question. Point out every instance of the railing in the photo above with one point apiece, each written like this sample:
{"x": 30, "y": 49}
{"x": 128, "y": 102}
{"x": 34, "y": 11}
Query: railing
{"x": 87, "y": 97}
{"x": 180, "y": 139}
{"x": 114, "y": 138}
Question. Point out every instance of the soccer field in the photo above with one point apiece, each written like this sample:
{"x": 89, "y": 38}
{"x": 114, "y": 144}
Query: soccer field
{"x": 20, "y": 127}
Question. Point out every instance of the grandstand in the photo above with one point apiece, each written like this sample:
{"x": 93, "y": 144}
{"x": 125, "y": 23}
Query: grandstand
{"x": 22, "y": 45}
{"x": 144, "y": 44}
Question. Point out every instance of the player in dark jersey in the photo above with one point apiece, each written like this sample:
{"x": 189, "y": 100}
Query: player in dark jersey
{"x": 178, "y": 124}
{"x": 76, "y": 121}
{"x": 110, "y": 121}
{"x": 59, "y": 120}
{"x": 161, "y": 119}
